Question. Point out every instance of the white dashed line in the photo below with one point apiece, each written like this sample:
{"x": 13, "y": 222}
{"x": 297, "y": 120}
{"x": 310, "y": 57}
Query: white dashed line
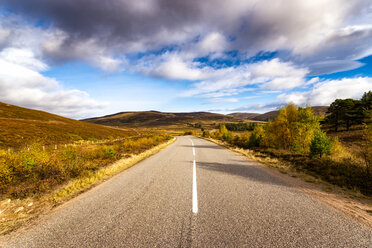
{"x": 194, "y": 191}
{"x": 194, "y": 188}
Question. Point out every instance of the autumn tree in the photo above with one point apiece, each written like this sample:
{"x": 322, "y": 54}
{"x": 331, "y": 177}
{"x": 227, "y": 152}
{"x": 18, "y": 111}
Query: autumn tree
{"x": 293, "y": 127}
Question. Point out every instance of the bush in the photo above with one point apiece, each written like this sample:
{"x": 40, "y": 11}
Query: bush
{"x": 320, "y": 145}
{"x": 254, "y": 140}
{"x": 206, "y": 134}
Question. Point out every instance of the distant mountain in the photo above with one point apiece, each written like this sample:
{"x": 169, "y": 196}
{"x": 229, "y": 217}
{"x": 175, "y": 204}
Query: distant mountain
{"x": 318, "y": 111}
{"x": 21, "y": 127}
{"x": 246, "y": 116}
{"x": 157, "y": 119}
{"x": 163, "y": 119}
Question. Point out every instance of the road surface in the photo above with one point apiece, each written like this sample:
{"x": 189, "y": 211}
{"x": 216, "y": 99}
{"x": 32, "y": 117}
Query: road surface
{"x": 168, "y": 200}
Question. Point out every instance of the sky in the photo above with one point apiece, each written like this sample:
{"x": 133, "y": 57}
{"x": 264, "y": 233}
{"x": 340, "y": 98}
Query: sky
{"x": 85, "y": 58}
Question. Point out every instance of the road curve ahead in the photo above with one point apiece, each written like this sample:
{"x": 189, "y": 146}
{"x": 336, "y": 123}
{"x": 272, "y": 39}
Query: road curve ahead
{"x": 167, "y": 200}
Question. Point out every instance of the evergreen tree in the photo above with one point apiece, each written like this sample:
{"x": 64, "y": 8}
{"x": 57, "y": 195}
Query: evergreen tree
{"x": 320, "y": 145}
{"x": 367, "y": 100}
{"x": 345, "y": 112}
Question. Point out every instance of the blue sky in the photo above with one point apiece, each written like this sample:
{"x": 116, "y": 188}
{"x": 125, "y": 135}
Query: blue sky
{"x": 84, "y": 58}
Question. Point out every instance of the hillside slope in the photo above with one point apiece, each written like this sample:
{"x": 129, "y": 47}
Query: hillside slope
{"x": 318, "y": 110}
{"x": 21, "y": 127}
{"x": 246, "y": 116}
{"x": 157, "y": 119}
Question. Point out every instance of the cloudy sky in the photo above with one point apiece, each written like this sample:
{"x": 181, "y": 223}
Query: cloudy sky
{"x": 82, "y": 58}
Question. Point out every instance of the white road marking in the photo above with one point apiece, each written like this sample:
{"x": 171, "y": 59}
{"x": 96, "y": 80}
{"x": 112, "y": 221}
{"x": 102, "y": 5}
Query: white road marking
{"x": 194, "y": 190}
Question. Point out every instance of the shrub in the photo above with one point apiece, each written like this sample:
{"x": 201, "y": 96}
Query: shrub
{"x": 297, "y": 147}
{"x": 320, "y": 145}
{"x": 254, "y": 140}
{"x": 206, "y": 134}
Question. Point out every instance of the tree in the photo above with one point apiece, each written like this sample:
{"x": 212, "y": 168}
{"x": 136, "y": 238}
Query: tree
{"x": 279, "y": 131}
{"x": 367, "y": 100}
{"x": 255, "y": 137}
{"x": 366, "y": 145}
{"x": 320, "y": 145}
{"x": 304, "y": 130}
{"x": 225, "y": 134}
{"x": 345, "y": 112}
{"x": 293, "y": 128}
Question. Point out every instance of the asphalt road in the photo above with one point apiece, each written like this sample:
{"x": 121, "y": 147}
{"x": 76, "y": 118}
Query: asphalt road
{"x": 157, "y": 204}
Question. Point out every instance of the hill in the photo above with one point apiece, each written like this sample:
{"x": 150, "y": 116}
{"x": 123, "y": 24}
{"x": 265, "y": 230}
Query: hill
{"x": 318, "y": 110}
{"x": 246, "y": 116}
{"x": 160, "y": 119}
{"x": 21, "y": 126}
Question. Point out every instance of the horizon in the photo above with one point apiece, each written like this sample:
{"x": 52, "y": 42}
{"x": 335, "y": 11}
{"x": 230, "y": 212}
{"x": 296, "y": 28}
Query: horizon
{"x": 165, "y": 112}
{"x": 124, "y": 56}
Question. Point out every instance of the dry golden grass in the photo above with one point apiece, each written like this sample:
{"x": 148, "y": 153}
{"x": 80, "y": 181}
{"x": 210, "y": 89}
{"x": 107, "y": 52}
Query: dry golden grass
{"x": 20, "y": 127}
{"x": 16, "y": 212}
{"x": 32, "y": 171}
{"x": 344, "y": 169}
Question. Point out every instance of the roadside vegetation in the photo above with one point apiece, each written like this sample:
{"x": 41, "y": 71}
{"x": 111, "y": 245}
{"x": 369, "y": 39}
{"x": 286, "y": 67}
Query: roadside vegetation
{"x": 316, "y": 144}
{"x": 33, "y": 170}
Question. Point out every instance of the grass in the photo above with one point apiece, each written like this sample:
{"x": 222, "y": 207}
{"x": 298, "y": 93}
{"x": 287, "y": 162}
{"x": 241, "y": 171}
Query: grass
{"x": 20, "y": 127}
{"x": 14, "y": 212}
{"x": 33, "y": 171}
{"x": 341, "y": 170}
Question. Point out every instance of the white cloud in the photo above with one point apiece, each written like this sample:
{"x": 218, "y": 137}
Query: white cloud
{"x": 167, "y": 39}
{"x": 270, "y": 74}
{"x": 278, "y": 75}
{"x": 221, "y": 100}
{"x": 21, "y": 84}
{"x": 324, "y": 93}
{"x": 173, "y": 67}
{"x": 276, "y": 68}
{"x": 23, "y": 57}
{"x": 332, "y": 66}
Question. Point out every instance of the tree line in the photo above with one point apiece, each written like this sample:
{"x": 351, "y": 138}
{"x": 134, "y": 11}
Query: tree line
{"x": 299, "y": 129}
{"x": 349, "y": 112}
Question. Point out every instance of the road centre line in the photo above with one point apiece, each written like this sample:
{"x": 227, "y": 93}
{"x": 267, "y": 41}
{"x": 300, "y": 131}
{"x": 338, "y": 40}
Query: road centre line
{"x": 194, "y": 190}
